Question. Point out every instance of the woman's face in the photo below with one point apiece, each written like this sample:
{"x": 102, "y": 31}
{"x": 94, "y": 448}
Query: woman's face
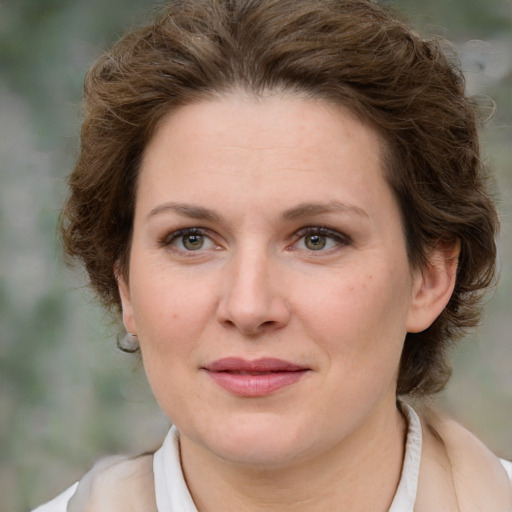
{"x": 268, "y": 281}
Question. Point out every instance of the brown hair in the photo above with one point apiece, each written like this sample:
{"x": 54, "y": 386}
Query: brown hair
{"x": 349, "y": 52}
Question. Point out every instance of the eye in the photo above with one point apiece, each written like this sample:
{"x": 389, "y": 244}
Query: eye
{"x": 192, "y": 242}
{"x": 315, "y": 242}
{"x": 189, "y": 240}
{"x": 316, "y": 238}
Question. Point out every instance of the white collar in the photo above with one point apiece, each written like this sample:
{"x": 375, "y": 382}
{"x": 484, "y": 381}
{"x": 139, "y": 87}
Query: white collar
{"x": 405, "y": 495}
{"x": 172, "y": 494}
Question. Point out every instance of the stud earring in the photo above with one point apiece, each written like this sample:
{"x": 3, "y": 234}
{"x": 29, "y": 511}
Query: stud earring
{"x": 129, "y": 343}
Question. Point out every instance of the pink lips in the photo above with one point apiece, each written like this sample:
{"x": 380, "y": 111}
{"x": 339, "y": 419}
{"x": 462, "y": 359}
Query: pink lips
{"x": 254, "y": 378}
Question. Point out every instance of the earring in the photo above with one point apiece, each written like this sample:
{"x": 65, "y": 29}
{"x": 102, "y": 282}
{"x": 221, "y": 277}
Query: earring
{"x": 129, "y": 343}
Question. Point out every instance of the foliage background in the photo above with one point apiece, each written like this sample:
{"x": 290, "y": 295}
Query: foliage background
{"x": 67, "y": 395}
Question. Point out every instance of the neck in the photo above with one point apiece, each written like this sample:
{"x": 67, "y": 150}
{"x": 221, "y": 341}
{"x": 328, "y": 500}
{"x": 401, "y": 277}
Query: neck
{"x": 361, "y": 473}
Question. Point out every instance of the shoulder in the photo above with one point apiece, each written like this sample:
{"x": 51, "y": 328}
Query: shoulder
{"x": 116, "y": 483}
{"x": 113, "y": 484}
{"x": 60, "y": 503}
{"x": 471, "y": 477}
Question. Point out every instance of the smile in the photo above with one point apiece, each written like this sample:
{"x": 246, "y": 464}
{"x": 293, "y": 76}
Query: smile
{"x": 254, "y": 378}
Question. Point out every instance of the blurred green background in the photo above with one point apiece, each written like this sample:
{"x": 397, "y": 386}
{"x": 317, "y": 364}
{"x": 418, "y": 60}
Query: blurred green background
{"x": 67, "y": 395}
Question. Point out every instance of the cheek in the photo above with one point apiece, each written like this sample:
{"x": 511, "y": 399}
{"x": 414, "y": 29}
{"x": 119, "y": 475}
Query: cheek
{"x": 360, "y": 315}
{"x": 170, "y": 312}
{"x": 171, "y": 321}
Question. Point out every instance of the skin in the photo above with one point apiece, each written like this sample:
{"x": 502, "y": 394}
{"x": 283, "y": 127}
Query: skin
{"x": 239, "y": 171}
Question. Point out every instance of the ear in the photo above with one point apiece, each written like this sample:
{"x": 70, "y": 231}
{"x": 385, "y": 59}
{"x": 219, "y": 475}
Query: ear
{"x": 126, "y": 301}
{"x": 433, "y": 286}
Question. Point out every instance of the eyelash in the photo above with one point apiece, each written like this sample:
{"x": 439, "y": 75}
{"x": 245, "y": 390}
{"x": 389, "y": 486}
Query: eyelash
{"x": 168, "y": 239}
{"x": 340, "y": 239}
{"x": 321, "y": 231}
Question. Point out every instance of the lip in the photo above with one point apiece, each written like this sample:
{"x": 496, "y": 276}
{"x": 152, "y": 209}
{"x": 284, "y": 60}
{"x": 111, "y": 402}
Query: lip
{"x": 257, "y": 378}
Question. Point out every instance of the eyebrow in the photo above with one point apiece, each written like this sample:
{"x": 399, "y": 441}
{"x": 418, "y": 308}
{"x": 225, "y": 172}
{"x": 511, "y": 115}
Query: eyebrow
{"x": 297, "y": 212}
{"x": 186, "y": 210}
{"x": 312, "y": 209}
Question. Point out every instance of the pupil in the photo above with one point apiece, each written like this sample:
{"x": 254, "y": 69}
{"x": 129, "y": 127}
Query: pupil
{"x": 315, "y": 242}
{"x": 193, "y": 242}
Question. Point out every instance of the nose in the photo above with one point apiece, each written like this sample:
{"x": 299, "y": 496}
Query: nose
{"x": 252, "y": 300}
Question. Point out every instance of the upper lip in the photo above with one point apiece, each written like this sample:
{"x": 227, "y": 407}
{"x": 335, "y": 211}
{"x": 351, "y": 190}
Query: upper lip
{"x": 265, "y": 364}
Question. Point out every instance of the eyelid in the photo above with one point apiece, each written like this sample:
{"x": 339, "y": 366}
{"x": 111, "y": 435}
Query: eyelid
{"x": 339, "y": 238}
{"x": 334, "y": 234}
{"x": 168, "y": 238}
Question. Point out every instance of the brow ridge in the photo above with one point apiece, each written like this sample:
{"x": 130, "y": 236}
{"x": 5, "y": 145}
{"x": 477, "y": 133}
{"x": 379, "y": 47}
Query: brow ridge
{"x": 297, "y": 212}
{"x": 186, "y": 210}
{"x": 312, "y": 209}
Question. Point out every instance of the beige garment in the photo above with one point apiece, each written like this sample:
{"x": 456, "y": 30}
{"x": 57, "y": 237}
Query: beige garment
{"x": 458, "y": 472}
{"x": 117, "y": 484}
{"x": 445, "y": 469}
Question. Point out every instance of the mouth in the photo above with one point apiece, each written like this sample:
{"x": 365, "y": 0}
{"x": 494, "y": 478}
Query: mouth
{"x": 256, "y": 378}
{"x": 235, "y": 372}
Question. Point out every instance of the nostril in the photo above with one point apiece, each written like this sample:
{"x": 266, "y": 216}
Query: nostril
{"x": 252, "y": 328}
{"x": 250, "y": 304}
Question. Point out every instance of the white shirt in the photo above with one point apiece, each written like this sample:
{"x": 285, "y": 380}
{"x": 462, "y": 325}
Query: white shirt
{"x": 172, "y": 494}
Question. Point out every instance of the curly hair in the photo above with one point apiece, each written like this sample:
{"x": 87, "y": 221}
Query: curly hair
{"x": 352, "y": 53}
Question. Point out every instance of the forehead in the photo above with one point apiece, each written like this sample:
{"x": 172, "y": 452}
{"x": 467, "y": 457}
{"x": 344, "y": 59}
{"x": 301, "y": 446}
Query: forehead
{"x": 283, "y": 131}
{"x": 259, "y": 157}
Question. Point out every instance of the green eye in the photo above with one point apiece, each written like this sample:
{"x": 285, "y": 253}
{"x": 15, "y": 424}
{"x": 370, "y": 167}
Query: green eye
{"x": 189, "y": 240}
{"x": 315, "y": 242}
{"x": 320, "y": 239}
{"x": 192, "y": 242}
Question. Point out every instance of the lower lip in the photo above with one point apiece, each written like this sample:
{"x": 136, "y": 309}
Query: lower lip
{"x": 255, "y": 385}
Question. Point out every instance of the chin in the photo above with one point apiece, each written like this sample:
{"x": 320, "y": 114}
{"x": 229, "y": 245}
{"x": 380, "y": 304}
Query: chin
{"x": 261, "y": 454}
{"x": 263, "y": 442}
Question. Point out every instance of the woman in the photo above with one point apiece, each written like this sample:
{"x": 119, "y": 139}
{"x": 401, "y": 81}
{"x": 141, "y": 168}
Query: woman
{"x": 284, "y": 200}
